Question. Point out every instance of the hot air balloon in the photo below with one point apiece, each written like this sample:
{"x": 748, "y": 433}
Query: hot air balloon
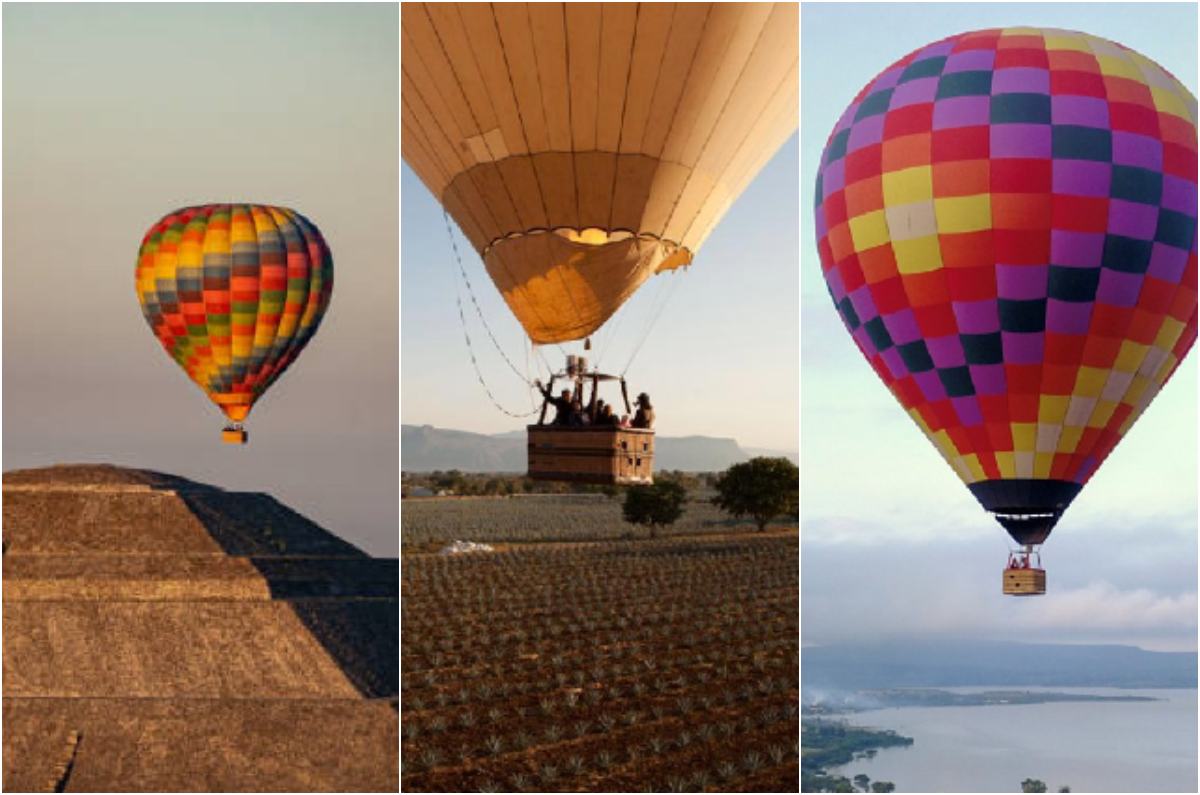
{"x": 1006, "y": 222}
{"x": 584, "y": 147}
{"x": 234, "y": 292}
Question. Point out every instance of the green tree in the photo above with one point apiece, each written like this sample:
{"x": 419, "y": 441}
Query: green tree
{"x": 654, "y": 506}
{"x": 882, "y": 786}
{"x": 861, "y": 781}
{"x": 1064, "y": 789}
{"x": 761, "y": 488}
{"x": 1033, "y": 785}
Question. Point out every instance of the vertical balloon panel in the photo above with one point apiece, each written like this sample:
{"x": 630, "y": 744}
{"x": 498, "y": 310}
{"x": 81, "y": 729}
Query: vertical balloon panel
{"x": 583, "y": 148}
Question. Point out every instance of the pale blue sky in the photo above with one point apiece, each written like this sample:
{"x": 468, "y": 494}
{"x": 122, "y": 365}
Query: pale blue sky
{"x": 874, "y": 491}
{"x": 720, "y": 361}
{"x": 116, "y": 114}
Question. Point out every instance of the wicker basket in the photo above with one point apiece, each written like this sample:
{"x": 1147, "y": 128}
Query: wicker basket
{"x": 1024, "y": 582}
{"x": 233, "y": 436}
{"x": 603, "y": 455}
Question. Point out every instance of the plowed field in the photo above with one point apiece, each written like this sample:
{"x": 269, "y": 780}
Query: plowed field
{"x": 657, "y": 665}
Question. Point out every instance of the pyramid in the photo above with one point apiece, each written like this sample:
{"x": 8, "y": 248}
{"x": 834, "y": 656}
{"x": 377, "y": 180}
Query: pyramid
{"x": 164, "y": 635}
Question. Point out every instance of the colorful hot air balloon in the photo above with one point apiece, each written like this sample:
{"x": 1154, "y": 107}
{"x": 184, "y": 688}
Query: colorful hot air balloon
{"x": 584, "y": 147}
{"x": 234, "y": 292}
{"x": 1006, "y": 221}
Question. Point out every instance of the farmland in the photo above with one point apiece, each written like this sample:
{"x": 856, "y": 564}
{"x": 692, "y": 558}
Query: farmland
{"x": 588, "y": 661}
{"x": 546, "y": 518}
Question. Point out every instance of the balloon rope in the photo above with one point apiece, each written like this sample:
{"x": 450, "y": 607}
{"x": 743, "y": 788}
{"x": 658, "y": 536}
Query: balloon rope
{"x": 611, "y": 333}
{"x": 471, "y": 350}
{"x": 478, "y": 311}
{"x": 670, "y": 292}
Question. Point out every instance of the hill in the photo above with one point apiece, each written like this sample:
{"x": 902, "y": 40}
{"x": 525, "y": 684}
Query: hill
{"x": 962, "y": 663}
{"x": 164, "y": 635}
{"x": 424, "y": 448}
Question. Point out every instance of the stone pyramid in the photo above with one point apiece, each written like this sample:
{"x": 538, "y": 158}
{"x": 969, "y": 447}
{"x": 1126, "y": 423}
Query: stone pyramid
{"x": 163, "y": 635}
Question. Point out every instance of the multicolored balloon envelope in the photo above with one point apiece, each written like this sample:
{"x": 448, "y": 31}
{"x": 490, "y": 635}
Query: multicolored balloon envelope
{"x": 1006, "y": 221}
{"x": 234, "y": 292}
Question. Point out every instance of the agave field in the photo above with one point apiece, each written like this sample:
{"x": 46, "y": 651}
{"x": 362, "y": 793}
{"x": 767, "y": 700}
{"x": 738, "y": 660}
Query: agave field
{"x": 548, "y": 517}
{"x": 665, "y": 664}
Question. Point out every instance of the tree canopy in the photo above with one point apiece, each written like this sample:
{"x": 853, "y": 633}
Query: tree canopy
{"x": 654, "y": 506}
{"x": 761, "y": 488}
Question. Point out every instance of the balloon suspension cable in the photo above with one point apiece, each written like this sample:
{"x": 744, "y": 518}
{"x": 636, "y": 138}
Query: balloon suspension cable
{"x": 526, "y": 347}
{"x": 471, "y": 350}
{"x": 610, "y": 333}
{"x": 471, "y": 293}
{"x": 666, "y": 295}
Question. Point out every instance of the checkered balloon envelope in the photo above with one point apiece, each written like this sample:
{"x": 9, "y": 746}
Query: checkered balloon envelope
{"x": 234, "y": 292}
{"x": 1006, "y": 222}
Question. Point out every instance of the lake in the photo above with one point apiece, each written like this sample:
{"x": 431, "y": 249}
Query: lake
{"x": 1091, "y": 747}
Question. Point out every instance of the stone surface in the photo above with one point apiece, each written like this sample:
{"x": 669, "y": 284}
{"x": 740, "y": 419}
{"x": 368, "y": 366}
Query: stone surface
{"x": 163, "y": 635}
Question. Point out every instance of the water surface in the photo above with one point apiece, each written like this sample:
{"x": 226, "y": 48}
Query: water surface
{"x": 1144, "y": 746}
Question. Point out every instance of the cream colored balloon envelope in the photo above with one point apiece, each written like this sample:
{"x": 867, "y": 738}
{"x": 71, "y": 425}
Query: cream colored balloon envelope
{"x": 584, "y": 147}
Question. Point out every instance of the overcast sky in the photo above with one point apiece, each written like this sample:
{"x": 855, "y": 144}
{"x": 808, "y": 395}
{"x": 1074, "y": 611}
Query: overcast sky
{"x": 892, "y": 541}
{"x": 117, "y": 114}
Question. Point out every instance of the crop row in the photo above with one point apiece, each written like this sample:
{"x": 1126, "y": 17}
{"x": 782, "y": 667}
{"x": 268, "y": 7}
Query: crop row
{"x": 761, "y": 733}
{"x": 666, "y": 664}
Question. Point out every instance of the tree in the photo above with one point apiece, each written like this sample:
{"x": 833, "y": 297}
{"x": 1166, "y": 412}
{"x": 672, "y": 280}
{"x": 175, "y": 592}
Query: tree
{"x": 861, "y": 781}
{"x": 1064, "y": 789}
{"x": 882, "y": 786}
{"x": 1033, "y": 785}
{"x": 761, "y": 488}
{"x": 654, "y": 506}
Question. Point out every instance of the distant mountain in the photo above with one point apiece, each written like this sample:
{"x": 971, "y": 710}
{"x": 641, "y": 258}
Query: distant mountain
{"x": 424, "y": 448}
{"x": 963, "y": 663}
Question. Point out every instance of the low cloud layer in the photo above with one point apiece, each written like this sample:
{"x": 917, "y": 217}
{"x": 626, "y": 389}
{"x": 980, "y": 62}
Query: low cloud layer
{"x": 1115, "y": 583}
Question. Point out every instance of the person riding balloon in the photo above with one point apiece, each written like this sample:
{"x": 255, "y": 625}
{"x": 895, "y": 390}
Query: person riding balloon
{"x": 577, "y": 178}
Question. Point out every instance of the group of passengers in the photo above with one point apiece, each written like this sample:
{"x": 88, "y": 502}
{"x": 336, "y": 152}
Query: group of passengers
{"x": 570, "y": 411}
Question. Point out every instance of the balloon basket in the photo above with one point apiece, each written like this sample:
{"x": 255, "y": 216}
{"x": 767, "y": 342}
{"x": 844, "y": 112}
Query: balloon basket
{"x": 1024, "y": 582}
{"x": 234, "y": 436}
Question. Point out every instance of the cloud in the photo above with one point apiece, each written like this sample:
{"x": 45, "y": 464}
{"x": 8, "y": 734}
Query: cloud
{"x": 1101, "y": 606}
{"x": 860, "y": 584}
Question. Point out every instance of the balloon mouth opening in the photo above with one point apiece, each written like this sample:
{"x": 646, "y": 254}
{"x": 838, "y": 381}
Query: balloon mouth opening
{"x": 1027, "y": 508}
{"x": 1027, "y": 527}
{"x": 592, "y": 236}
{"x": 236, "y": 406}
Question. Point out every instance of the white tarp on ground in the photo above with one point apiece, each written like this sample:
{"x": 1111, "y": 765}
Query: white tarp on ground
{"x": 459, "y": 547}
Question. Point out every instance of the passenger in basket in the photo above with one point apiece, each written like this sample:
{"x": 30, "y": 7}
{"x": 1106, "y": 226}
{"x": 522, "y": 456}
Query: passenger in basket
{"x": 624, "y": 423}
{"x": 645, "y": 413}
{"x": 578, "y": 416}
{"x": 607, "y": 418}
{"x": 563, "y": 406}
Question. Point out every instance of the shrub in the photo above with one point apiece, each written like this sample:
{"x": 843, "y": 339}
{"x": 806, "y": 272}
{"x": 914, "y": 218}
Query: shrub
{"x": 654, "y": 506}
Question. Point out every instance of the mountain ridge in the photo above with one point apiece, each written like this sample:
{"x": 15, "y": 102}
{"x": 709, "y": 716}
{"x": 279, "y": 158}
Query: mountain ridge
{"x": 425, "y": 448}
{"x": 969, "y": 663}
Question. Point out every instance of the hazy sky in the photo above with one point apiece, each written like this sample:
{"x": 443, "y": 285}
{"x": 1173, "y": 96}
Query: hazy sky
{"x": 117, "y": 114}
{"x": 720, "y": 361}
{"x": 881, "y": 509}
